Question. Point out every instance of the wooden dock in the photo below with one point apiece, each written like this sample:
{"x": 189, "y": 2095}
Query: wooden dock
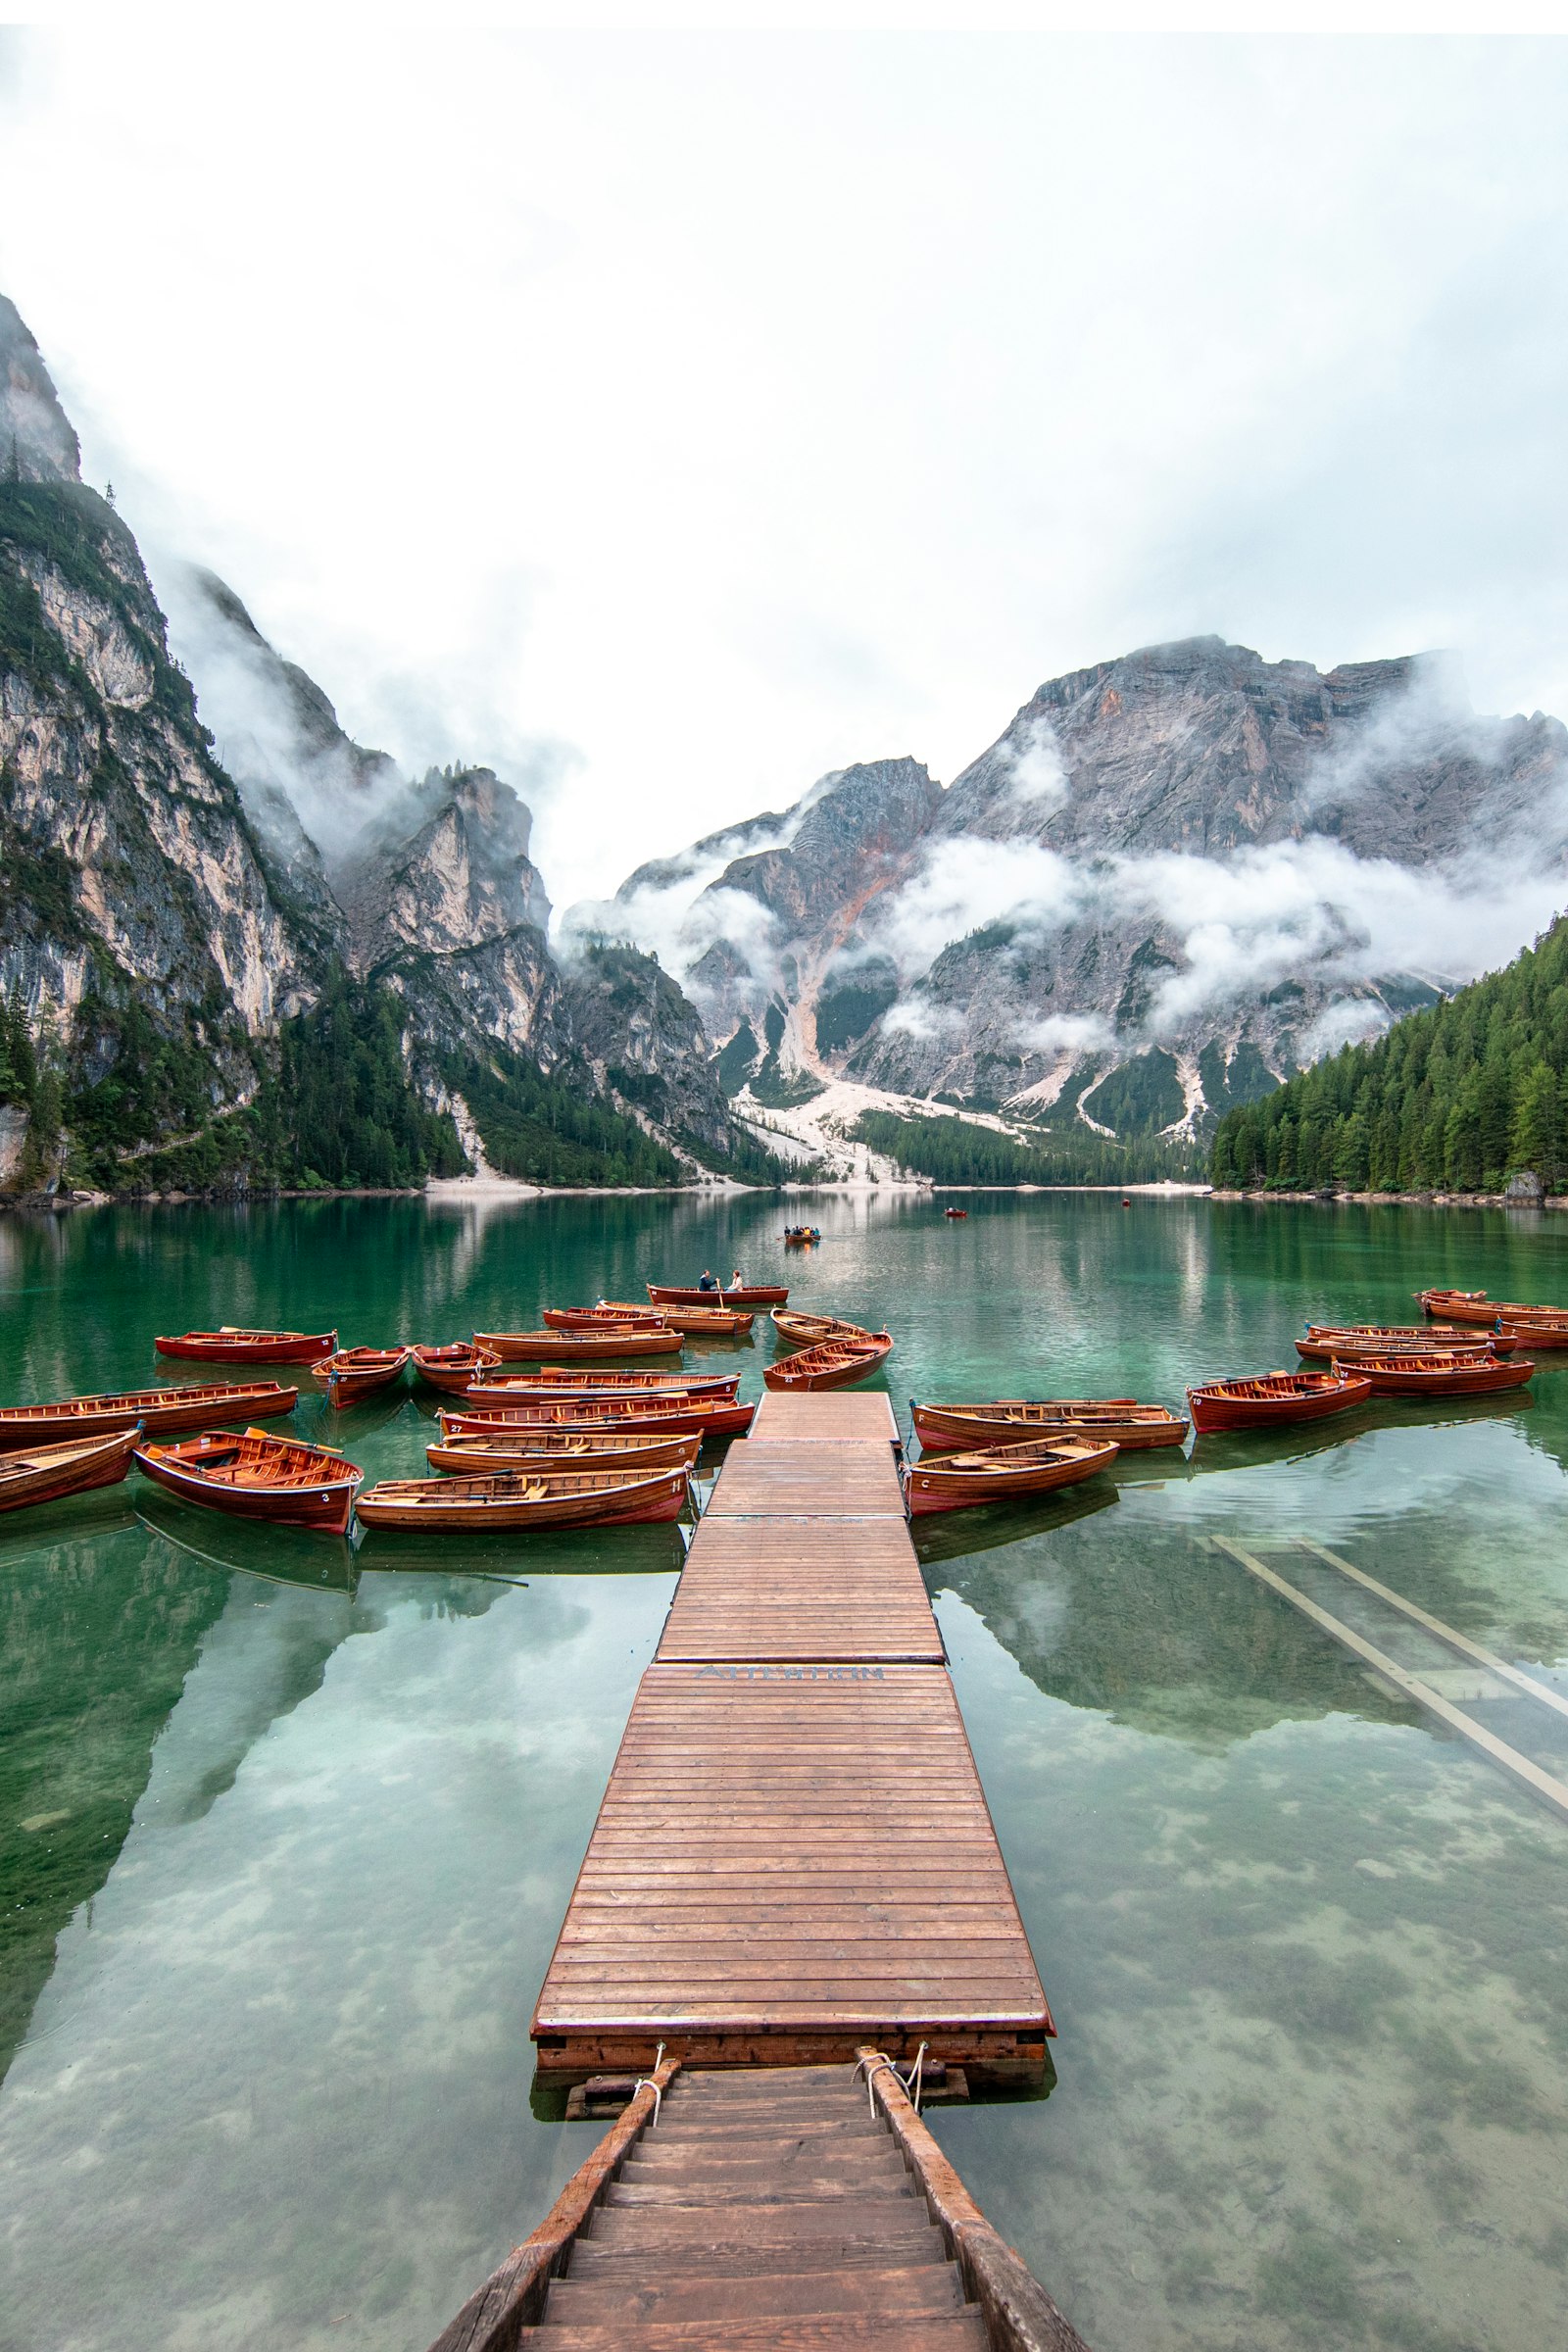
{"x": 794, "y": 1858}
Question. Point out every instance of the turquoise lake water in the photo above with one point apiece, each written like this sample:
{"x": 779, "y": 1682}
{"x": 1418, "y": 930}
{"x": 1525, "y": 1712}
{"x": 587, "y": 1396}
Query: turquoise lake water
{"x": 286, "y": 1830}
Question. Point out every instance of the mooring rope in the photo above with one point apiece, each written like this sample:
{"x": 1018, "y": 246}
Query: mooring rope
{"x": 646, "y": 2083}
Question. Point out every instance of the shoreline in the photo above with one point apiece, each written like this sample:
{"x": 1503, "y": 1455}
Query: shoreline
{"x": 1335, "y": 1198}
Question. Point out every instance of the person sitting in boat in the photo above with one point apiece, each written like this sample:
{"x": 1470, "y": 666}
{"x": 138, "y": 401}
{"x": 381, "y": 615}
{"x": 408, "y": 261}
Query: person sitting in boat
{"x": 737, "y": 1281}
{"x": 708, "y": 1281}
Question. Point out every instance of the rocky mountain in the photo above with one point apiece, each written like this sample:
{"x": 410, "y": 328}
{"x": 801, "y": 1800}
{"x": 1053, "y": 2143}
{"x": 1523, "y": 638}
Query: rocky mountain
{"x": 181, "y": 891}
{"x": 1173, "y": 879}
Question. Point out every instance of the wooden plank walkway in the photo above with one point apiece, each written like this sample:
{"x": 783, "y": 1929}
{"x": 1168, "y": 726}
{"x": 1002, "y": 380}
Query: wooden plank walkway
{"x": 793, "y": 1857}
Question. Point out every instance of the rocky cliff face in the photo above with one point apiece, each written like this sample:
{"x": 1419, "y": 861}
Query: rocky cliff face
{"x": 169, "y": 899}
{"x": 1173, "y": 878}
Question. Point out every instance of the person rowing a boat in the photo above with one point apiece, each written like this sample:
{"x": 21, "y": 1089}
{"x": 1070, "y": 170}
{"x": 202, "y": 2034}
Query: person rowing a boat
{"x": 708, "y": 1281}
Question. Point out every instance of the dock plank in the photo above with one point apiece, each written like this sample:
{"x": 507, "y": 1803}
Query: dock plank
{"x": 801, "y": 1588}
{"x": 838, "y": 1481}
{"x": 831, "y": 1417}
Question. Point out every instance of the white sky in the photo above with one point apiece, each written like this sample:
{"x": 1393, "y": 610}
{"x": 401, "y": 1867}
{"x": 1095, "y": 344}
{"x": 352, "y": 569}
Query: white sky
{"x": 667, "y": 418}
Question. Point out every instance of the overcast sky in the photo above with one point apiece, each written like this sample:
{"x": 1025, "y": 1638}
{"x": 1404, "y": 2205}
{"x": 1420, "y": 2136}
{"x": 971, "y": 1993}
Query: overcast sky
{"x": 666, "y": 420}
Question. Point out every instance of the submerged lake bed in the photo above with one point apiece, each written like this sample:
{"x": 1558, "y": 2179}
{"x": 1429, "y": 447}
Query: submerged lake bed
{"x": 289, "y": 1825}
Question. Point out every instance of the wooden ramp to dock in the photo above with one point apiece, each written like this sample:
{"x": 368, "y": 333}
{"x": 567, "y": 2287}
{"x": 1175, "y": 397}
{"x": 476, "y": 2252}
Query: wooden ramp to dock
{"x": 807, "y": 2209}
{"x": 793, "y": 1857}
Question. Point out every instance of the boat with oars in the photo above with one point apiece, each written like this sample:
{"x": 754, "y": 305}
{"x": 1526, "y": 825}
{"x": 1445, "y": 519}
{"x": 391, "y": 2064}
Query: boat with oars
{"x": 713, "y": 1416}
{"x": 743, "y": 1295}
{"x": 1119, "y": 1420}
{"x": 524, "y": 1388}
{"x": 530, "y": 1449}
{"x": 355, "y": 1373}
{"x": 510, "y": 1499}
{"x": 1462, "y": 1373}
{"x": 451, "y": 1368}
{"x": 579, "y": 1347}
{"x": 1002, "y": 1473}
{"x": 1325, "y": 1341}
{"x": 231, "y": 1346}
{"x": 46, "y": 1473}
{"x": 254, "y": 1476}
{"x": 158, "y": 1412}
{"x": 1475, "y": 1307}
{"x": 1275, "y": 1399}
{"x": 607, "y": 1318}
{"x": 831, "y": 1363}
{"x": 698, "y": 1322}
{"x": 804, "y": 1331}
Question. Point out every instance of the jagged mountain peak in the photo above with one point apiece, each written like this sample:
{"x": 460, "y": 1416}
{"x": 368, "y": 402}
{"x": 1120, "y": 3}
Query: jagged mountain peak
{"x": 37, "y": 442}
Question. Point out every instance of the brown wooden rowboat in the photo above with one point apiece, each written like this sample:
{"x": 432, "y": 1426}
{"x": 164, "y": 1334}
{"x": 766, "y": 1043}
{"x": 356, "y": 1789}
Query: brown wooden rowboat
{"x": 157, "y": 1411}
{"x": 806, "y": 1331}
{"x": 530, "y": 1387}
{"x": 1275, "y": 1398}
{"x": 1325, "y": 1341}
{"x": 942, "y": 1427}
{"x": 1459, "y": 1374}
{"x": 1474, "y": 1307}
{"x": 451, "y": 1368}
{"x": 713, "y": 1416}
{"x": 831, "y": 1363}
{"x": 534, "y": 1450}
{"x": 231, "y": 1346}
{"x": 45, "y": 1473}
{"x": 257, "y": 1476}
{"x": 606, "y": 1318}
{"x": 744, "y": 1294}
{"x": 355, "y": 1373}
{"x": 1000, "y": 1473}
{"x": 578, "y": 1346}
{"x": 553, "y": 1498}
{"x": 711, "y": 1322}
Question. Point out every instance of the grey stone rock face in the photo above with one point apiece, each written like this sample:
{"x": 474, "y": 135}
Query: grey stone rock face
{"x": 1176, "y": 863}
{"x": 37, "y": 443}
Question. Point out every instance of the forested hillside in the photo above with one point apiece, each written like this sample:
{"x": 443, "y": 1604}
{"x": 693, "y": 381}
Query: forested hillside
{"x": 957, "y": 1150}
{"x": 1454, "y": 1099}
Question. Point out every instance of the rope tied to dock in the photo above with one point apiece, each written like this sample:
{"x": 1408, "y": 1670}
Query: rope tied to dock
{"x": 646, "y": 2083}
{"x": 875, "y": 2060}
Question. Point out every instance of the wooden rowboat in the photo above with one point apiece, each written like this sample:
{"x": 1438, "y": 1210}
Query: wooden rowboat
{"x": 606, "y": 1318}
{"x": 535, "y": 1449}
{"x": 451, "y": 1368}
{"x": 630, "y": 1416}
{"x": 530, "y": 1387}
{"x": 1535, "y": 1331}
{"x": 45, "y": 1473}
{"x": 1326, "y": 1340}
{"x": 955, "y": 1212}
{"x": 998, "y": 1473}
{"x": 804, "y": 1331}
{"x": 1462, "y": 1374}
{"x": 942, "y": 1427}
{"x": 555, "y": 1499}
{"x": 258, "y": 1477}
{"x": 231, "y": 1346}
{"x": 156, "y": 1411}
{"x": 355, "y": 1373}
{"x": 1274, "y": 1398}
{"x": 1474, "y": 1307}
{"x": 744, "y": 1294}
{"x": 710, "y": 1322}
{"x": 578, "y": 1346}
{"x": 831, "y": 1363}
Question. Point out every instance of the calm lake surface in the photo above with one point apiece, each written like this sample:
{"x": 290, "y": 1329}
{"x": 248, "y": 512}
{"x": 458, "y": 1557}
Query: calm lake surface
{"x": 287, "y": 1831}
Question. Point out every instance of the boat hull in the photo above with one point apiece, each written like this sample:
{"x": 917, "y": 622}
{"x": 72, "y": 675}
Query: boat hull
{"x": 988, "y": 1476}
{"x": 47, "y": 1473}
{"x": 577, "y": 1347}
{"x": 831, "y": 1364}
{"x": 698, "y": 1322}
{"x": 1459, "y": 1306}
{"x": 745, "y": 1295}
{"x": 471, "y": 1506}
{"x": 327, "y": 1503}
{"x": 582, "y": 1417}
{"x": 1478, "y": 1378}
{"x": 157, "y": 1412}
{"x": 451, "y": 1370}
{"x": 348, "y": 1381}
{"x": 1325, "y": 1346}
{"x": 522, "y": 1387}
{"x": 1215, "y": 1409}
{"x": 601, "y": 1319}
{"x": 542, "y": 1450}
{"x": 810, "y": 1331}
{"x": 941, "y": 1428}
{"x": 249, "y": 1346}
